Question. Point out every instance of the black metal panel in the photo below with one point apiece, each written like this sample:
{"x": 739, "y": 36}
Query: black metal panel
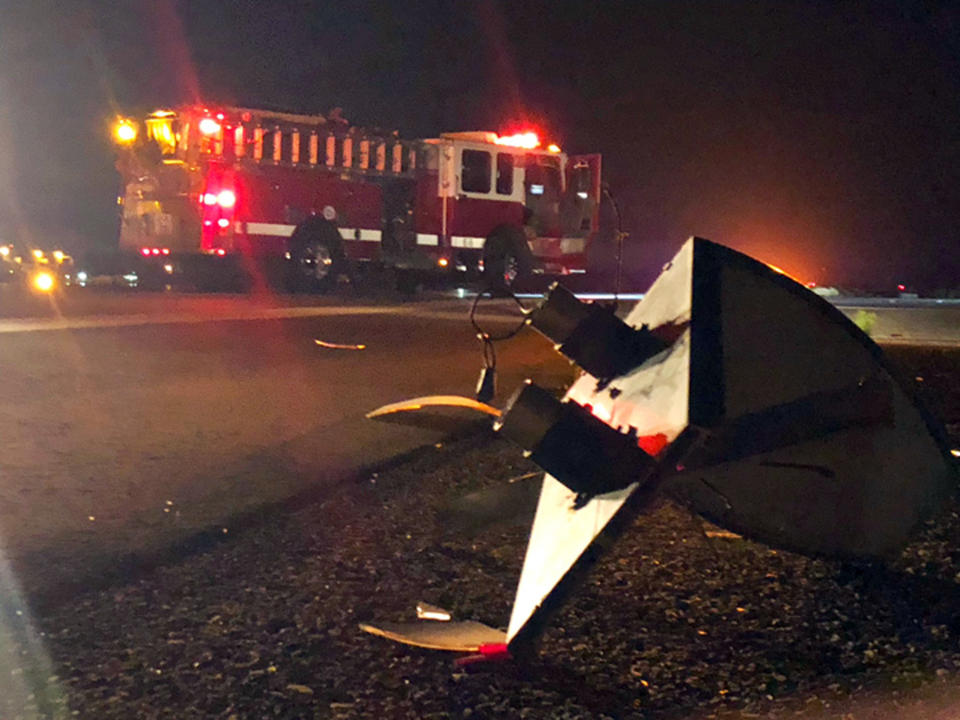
{"x": 706, "y": 337}
{"x": 592, "y": 336}
{"x": 579, "y": 450}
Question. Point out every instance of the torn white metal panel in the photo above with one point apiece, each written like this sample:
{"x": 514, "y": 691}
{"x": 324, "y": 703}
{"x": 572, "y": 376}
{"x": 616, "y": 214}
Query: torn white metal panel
{"x": 558, "y": 537}
{"x": 794, "y": 447}
{"x": 652, "y": 399}
{"x": 751, "y": 399}
{"x": 668, "y": 301}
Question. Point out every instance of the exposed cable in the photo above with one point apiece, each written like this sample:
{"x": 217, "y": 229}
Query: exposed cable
{"x": 620, "y": 236}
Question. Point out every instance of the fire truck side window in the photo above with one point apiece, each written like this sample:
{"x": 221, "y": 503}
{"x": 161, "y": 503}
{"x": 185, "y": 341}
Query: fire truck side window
{"x": 504, "y": 174}
{"x": 424, "y": 156}
{"x": 267, "y": 145}
{"x": 475, "y": 173}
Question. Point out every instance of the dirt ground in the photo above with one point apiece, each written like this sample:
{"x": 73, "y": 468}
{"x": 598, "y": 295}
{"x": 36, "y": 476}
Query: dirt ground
{"x": 262, "y": 622}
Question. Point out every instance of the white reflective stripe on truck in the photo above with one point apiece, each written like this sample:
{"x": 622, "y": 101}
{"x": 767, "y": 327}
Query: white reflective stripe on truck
{"x": 278, "y": 230}
{"x": 360, "y": 234}
{"x": 461, "y": 241}
{"x": 569, "y": 246}
{"x": 428, "y": 239}
{"x": 274, "y": 229}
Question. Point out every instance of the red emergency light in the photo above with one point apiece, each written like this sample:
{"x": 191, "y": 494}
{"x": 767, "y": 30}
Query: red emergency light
{"x": 527, "y": 140}
{"x": 226, "y": 198}
{"x": 209, "y": 126}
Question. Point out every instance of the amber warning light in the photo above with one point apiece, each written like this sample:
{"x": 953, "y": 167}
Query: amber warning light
{"x": 125, "y": 131}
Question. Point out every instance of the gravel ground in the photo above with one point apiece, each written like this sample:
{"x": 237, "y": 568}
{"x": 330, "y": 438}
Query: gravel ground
{"x": 262, "y": 623}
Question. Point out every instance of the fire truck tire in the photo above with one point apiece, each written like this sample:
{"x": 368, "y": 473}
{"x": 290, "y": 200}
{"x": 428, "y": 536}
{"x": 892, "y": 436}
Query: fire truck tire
{"x": 506, "y": 258}
{"x": 316, "y": 255}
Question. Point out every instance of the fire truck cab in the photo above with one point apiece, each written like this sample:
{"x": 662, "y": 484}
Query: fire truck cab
{"x": 308, "y": 199}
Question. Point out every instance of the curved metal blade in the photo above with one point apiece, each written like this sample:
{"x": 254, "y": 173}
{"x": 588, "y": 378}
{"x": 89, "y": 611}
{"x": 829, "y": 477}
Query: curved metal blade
{"x": 339, "y": 346}
{"x": 455, "y": 636}
{"x": 434, "y": 401}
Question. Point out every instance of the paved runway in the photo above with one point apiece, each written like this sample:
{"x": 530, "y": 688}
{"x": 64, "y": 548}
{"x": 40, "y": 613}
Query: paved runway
{"x": 128, "y": 422}
{"x": 121, "y": 434}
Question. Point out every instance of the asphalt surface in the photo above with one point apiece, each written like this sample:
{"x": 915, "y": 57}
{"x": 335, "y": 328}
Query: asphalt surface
{"x": 130, "y": 421}
{"x": 139, "y": 430}
{"x": 124, "y": 433}
{"x": 930, "y": 324}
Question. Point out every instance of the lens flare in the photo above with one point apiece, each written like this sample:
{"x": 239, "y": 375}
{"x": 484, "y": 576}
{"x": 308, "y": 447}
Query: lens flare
{"x": 209, "y": 126}
{"x": 227, "y": 198}
{"x": 44, "y": 281}
{"x": 125, "y": 131}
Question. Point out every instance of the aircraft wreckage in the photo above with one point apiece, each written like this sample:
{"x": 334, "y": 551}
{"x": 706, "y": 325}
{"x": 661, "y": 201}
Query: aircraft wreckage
{"x": 728, "y": 387}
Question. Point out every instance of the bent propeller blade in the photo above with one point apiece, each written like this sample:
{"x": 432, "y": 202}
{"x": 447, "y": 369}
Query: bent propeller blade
{"x": 432, "y": 401}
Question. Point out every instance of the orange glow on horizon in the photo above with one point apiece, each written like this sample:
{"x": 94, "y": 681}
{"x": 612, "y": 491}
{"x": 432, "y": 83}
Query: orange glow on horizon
{"x": 781, "y": 271}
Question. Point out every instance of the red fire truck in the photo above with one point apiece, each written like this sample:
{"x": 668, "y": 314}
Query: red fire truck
{"x": 309, "y": 199}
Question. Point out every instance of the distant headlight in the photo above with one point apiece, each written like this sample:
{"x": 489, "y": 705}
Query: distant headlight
{"x": 44, "y": 281}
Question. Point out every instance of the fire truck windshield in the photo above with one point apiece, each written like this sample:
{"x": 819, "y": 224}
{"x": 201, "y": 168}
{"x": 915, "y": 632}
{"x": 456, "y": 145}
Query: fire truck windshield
{"x": 163, "y": 130}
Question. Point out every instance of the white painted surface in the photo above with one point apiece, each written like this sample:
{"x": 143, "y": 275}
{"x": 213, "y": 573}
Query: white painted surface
{"x": 274, "y": 229}
{"x": 571, "y": 246}
{"x": 653, "y": 399}
{"x": 463, "y": 241}
{"x": 558, "y": 537}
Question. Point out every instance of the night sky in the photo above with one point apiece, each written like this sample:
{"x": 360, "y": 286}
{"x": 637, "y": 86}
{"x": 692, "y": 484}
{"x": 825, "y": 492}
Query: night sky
{"x": 822, "y": 137}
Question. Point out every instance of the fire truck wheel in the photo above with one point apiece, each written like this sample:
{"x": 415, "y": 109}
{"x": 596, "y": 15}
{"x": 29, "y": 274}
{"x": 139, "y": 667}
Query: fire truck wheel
{"x": 316, "y": 253}
{"x": 506, "y": 258}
